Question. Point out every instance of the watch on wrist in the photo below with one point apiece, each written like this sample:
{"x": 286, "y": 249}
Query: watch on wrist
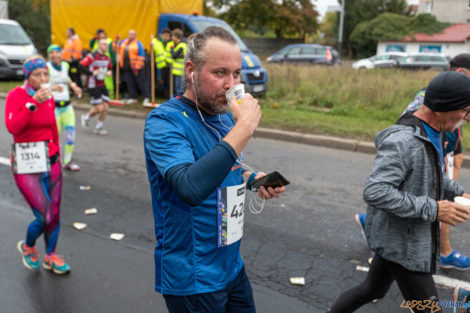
{"x": 31, "y": 106}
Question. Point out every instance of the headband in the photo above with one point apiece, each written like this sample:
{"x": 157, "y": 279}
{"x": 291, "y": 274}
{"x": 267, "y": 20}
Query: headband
{"x": 53, "y": 47}
{"x": 33, "y": 64}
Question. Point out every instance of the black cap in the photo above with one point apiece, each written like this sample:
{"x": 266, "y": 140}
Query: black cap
{"x": 461, "y": 60}
{"x": 448, "y": 91}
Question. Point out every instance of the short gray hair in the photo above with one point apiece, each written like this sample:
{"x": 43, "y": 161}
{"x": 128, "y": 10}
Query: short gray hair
{"x": 196, "y": 44}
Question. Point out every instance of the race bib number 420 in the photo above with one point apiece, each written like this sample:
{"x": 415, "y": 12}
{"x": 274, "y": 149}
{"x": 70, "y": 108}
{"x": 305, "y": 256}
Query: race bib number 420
{"x": 31, "y": 157}
{"x": 230, "y": 213}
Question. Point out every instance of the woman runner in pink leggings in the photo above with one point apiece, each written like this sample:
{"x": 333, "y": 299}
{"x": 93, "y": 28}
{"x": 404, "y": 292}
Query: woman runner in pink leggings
{"x": 30, "y": 118}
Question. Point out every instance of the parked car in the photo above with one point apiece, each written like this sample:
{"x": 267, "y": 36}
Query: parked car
{"x": 306, "y": 53}
{"x": 424, "y": 60}
{"x": 386, "y": 60}
{"x": 15, "y": 47}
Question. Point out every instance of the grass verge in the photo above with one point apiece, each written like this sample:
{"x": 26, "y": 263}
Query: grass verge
{"x": 335, "y": 100}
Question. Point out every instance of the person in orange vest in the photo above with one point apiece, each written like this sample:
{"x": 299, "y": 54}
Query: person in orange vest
{"x": 72, "y": 53}
{"x": 132, "y": 62}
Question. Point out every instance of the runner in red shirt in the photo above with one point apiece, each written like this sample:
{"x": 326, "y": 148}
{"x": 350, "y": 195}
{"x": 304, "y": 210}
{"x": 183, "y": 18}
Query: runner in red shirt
{"x": 30, "y": 118}
{"x": 97, "y": 66}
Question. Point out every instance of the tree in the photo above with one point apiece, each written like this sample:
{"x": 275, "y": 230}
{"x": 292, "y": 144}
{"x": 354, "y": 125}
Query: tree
{"x": 329, "y": 28}
{"x": 285, "y": 18}
{"x": 389, "y": 26}
{"x": 358, "y": 11}
{"x": 246, "y": 15}
{"x": 294, "y": 17}
{"x": 34, "y": 17}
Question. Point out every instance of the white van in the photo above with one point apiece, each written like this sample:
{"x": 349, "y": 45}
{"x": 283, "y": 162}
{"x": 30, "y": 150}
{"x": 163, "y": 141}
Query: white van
{"x": 15, "y": 47}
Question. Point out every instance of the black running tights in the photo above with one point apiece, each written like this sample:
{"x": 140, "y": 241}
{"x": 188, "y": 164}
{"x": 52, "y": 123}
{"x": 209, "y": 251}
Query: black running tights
{"x": 413, "y": 286}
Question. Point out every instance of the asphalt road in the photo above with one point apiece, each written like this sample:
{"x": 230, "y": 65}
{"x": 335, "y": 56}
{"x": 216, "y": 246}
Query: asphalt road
{"x": 310, "y": 232}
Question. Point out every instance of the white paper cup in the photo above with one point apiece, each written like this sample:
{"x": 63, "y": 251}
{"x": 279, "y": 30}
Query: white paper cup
{"x": 237, "y": 92}
{"x": 47, "y": 86}
{"x": 463, "y": 201}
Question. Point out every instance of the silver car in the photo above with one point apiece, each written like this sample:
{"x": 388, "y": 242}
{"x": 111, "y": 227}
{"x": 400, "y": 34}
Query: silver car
{"x": 15, "y": 47}
{"x": 386, "y": 60}
{"x": 424, "y": 60}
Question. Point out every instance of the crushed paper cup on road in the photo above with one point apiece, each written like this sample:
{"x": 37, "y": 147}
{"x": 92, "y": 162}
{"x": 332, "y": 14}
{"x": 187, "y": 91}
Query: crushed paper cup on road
{"x": 85, "y": 187}
{"x": 362, "y": 268}
{"x": 91, "y": 211}
{"x": 297, "y": 281}
{"x": 237, "y": 92}
{"x": 79, "y": 226}
{"x": 462, "y": 201}
{"x": 116, "y": 236}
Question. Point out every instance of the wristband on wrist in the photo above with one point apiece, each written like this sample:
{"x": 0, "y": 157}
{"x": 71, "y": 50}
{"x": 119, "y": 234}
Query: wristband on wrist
{"x": 31, "y": 106}
{"x": 251, "y": 179}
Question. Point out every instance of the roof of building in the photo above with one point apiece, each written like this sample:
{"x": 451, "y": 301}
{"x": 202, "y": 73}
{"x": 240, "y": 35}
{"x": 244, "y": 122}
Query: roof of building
{"x": 453, "y": 33}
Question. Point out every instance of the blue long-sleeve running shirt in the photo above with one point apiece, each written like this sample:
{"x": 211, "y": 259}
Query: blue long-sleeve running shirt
{"x": 186, "y": 162}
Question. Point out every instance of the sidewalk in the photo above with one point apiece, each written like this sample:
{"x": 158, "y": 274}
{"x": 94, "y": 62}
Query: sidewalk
{"x": 276, "y": 134}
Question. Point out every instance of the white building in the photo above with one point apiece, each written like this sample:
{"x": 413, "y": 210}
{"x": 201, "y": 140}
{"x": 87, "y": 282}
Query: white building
{"x": 450, "y": 11}
{"x": 454, "y": 40}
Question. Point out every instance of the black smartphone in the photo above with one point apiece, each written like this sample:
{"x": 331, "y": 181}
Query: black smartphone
{"x": 274, "y": 179}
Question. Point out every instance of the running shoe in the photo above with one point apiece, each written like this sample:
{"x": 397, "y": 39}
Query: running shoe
{"x": 361, "y": 222}
{"x": 101, "y": 131}
{"x": 455, "y": 260}
{"x": 85, "y": 121}
{"x": 56, "y": 264}
{"x": 131, "y": 101}
{"x": 461, "y": 300}
{"x": 72, "y": 167}
{"x": 28, "y": 254}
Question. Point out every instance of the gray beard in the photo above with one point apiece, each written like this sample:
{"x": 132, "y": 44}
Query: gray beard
{"x": 210, "y": 108}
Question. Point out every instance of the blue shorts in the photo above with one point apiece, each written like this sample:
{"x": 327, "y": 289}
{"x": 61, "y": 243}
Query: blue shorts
{"x": 236, "y": 297}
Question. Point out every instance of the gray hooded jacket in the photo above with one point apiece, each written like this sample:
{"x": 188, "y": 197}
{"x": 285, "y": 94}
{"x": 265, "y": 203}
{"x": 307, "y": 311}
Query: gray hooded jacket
{"x": 401, "y": 193}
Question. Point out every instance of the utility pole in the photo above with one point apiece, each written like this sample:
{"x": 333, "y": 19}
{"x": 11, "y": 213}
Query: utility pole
{"x": 341, "y": 24}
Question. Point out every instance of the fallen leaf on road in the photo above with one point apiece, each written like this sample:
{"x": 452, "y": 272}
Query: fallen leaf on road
{"x": 85, "y": 187}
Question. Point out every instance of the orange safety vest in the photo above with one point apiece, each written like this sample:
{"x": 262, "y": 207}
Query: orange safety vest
{"x": 72, "y": 48}
{"x": 136, "y": 61}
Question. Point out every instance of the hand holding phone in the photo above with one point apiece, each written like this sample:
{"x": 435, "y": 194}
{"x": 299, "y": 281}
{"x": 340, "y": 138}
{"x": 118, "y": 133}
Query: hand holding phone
{"x": 274, "y": 179}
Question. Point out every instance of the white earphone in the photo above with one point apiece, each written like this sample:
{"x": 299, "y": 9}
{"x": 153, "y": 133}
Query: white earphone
{"x": 192, "y": 77}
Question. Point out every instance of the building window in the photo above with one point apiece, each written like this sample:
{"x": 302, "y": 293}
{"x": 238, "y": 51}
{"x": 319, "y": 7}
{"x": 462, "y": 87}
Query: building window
{"x": 395, "y": 48}
{"x": 429, "y": 7}
{"x": 430, "y": 48}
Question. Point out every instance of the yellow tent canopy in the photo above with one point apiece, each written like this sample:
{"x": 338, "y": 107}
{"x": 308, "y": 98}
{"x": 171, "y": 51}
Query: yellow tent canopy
{"x": 115, "y": 17}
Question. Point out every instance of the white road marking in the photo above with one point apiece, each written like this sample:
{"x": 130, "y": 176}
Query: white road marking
{"x": 5, "y": 161}
{"x": 438, "y": 279}
{"x": 450, "y": 282}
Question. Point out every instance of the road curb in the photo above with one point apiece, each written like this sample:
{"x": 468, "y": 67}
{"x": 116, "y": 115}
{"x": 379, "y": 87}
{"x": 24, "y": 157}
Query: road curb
{"x": 276, "y": 134}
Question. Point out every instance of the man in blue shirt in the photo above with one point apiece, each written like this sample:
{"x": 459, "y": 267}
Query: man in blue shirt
{"x": 193, "y": 154}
